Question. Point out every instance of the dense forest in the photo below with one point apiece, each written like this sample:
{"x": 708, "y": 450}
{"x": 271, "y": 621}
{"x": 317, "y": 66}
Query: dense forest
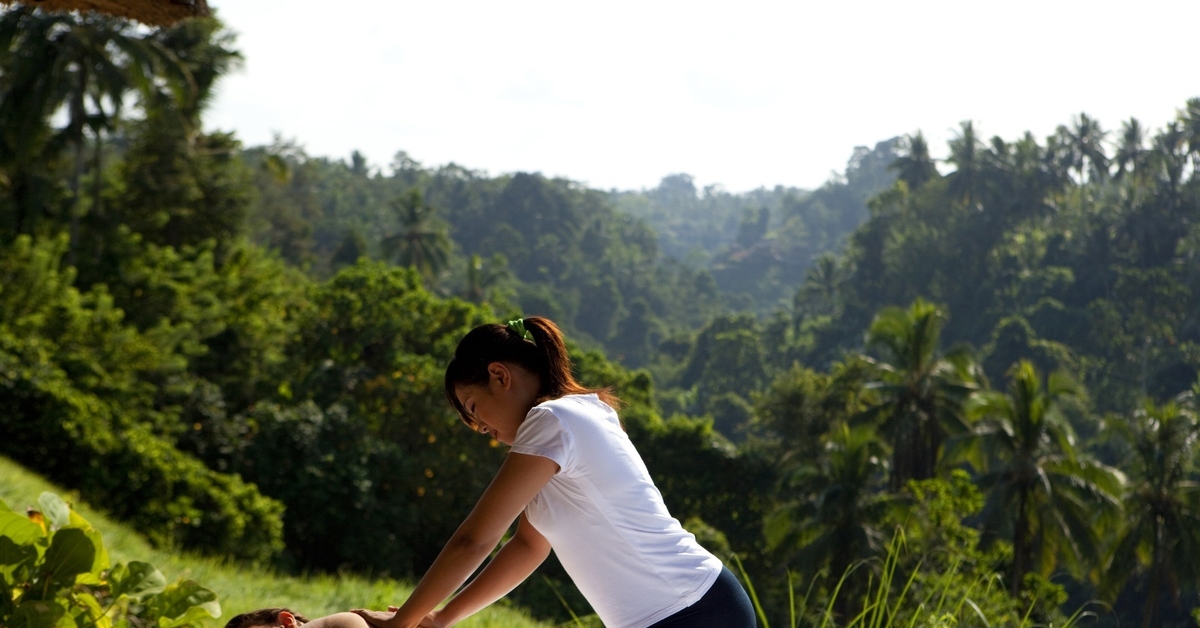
{"x": 974, "y": 379}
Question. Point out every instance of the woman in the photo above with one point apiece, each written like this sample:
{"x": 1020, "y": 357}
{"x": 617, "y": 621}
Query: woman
{"x": 575, "y": 484}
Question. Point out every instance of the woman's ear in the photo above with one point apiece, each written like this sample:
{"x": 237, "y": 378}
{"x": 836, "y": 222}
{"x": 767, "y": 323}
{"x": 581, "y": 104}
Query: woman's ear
{"x": 500, "y": 374}
{"x": 287, "y": 620}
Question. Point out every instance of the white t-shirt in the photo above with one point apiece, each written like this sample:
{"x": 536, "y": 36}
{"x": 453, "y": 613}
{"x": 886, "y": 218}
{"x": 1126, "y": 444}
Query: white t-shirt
{"x": 606, "y": 520}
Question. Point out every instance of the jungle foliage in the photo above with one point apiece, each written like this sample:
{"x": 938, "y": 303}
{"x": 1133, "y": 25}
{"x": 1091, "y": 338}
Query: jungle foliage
{"x": 239, "y": 350}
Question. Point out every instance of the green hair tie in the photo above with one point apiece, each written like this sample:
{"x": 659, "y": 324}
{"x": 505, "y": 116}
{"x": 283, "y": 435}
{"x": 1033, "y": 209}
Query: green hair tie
{"x": 519, "y": 327}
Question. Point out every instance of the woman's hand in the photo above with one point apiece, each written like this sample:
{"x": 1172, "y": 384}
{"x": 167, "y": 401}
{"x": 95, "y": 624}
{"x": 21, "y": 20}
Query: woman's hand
{"x": 379, "y": 619}
{"x": 432, "y": 620}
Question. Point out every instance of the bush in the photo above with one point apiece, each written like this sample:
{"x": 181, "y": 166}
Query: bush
{"x": 76, "y": 439}
{"x": 77, "y": 400}
{"x": 54, "y": 571}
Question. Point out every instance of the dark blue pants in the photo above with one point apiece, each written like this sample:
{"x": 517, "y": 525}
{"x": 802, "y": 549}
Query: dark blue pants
{"x": 725, "y": 605}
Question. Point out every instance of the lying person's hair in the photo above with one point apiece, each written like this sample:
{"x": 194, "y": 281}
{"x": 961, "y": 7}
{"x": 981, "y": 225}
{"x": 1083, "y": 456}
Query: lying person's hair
{"x": 263, "y": 617}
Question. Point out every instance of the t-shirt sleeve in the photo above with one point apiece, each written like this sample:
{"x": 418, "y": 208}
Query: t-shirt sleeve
{"x": 543, "y": 434}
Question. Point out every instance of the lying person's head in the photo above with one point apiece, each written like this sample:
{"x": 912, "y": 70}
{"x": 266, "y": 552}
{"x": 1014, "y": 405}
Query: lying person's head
{"x": 287, "y": 618}
{"x": 267, "y": 618}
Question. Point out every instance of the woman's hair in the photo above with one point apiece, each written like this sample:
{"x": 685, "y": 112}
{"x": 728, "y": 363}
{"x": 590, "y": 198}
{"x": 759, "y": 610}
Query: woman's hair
{"x": 544, "y": 353}
{"x": 262, "y": 617}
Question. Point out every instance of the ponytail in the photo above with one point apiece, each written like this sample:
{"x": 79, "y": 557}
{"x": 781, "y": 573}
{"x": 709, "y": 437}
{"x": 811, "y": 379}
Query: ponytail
{"x": 534, "y": 343}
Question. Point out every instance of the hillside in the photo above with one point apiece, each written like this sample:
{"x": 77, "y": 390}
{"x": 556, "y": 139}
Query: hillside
{"x": 241, "y": 587}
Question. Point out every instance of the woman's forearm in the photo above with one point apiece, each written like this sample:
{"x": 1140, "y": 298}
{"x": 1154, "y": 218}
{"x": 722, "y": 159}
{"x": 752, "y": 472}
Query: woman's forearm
{"x": 456, "y": 562}
{"x": 511, "y": 566}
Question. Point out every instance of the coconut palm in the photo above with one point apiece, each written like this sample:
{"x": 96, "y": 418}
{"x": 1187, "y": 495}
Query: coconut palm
{"x": 1160, "y": 536}
{"x": 83, "y": 63}
{"x": 1131, "y": 151}
{"x": 1042, "y": 493}
{"x": 822, "y": 286}
{"x": 1190, "y": 119}
{"x": 921, "y": 391}
{"x": 835, "y": 519}
{"x": 422, "y": 242}
{"x": 966, "y": 182}
{"x": 915, "y": 166}
{"x": 1084, "y": 140}
{"x": 484, "y": 276}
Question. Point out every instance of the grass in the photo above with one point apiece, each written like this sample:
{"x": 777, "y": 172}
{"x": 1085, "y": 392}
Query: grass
{"x": 240, "y": 587}
{"x": 884, "y": 604}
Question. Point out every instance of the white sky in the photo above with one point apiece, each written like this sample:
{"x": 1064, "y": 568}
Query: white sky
{"x": 745, "y": 94}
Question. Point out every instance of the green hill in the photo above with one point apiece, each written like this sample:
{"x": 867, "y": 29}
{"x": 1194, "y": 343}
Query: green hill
{"x": 241, "y": 587}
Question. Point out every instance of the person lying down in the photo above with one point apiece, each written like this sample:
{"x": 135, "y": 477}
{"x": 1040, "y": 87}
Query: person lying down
{"x": 287, "y": 618}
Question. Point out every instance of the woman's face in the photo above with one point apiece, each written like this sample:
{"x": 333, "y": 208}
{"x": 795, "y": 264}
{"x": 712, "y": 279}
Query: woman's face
{"x": 498, "y": 407}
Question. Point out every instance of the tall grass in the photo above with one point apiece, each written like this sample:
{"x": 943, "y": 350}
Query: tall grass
{"x": 889, "y": 601}
{"x": 240, "y": 587}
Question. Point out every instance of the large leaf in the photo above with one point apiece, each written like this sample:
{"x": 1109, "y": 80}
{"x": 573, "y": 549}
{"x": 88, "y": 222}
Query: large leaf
{"x": 55, "y": 509}
{"x": 137, "y": 580}
{"x": 87, "y": 612}
{"x": 15, "y": 560}
{"x": 18, "y": 529}
{"x": 36, "y": 614}
{"x": 183, "y": 603}
{"x": 72, "y": 552}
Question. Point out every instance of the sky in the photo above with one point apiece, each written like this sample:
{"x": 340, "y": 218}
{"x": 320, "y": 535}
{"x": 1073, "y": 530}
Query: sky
{"x": 617, "y": 95}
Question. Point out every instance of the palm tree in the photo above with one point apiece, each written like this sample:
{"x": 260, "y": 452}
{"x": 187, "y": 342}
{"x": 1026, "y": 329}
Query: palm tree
{"x": 422, "y": 242}
{"x": 1042, "y": 493}
{"x": 921, "y": 391}
{"x": 822, "y": 286}
{"x": 1131, "y": 152}
{"x": 1161, "y": 530}
{"x": 85, "y": 63}
{"x": 915, "y": 167}
{"x": 1085, "y": 141}
{"x": 484, "y": 276}
{"x": 966, "y": 181}
{"x": 1190, "y": 118}
{"x": 836, "y": 519}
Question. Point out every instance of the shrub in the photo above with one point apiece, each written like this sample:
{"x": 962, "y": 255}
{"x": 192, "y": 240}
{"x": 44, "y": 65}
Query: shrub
{"x": 54, "y": 571}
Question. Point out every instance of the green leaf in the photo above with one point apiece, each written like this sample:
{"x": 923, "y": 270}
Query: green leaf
{"x": 19, "y": 529}
{"x": 86, "y": 611}
{"x": 137, "y": 580}
{"x": 71, "y": 553}
{"x": 6, "y": 602}
{"x": 100, "y": 562}
{"x": 55, "y": 509}
{"x": 15, "y": 560}
{"x": 36, "y": 614}
{"x": 77, "y": 520}
{"x": 183, "y": 603}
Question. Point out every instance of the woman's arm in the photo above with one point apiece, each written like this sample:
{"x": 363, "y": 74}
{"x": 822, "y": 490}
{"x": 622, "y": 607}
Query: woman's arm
{"x": 511, "y": 566}
{"x": 518, "y": 481}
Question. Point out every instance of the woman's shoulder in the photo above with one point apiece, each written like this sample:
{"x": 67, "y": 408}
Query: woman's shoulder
{"x": 581, "y": 406}
{"x": 574, "y": 403}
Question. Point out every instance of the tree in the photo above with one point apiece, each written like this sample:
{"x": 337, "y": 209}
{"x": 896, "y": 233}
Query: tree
{"x": 483, "y": 278}
{"x": 822, "y": 287}
{"x": 182, "y": 186}
{"x": 1131, "y": 151}
{"x": 834, "y": 514}
{"x": 966, "y": 182}
{"x": 1042, "y": 492}
{"x": 1084, "y": 141}
{"x": 1160, "y": 534}
{"x": 921, "y": 391}
{"x": 915, "y": 166}
{"x": 422, "y": 242}
{"x": 86, "y": 63}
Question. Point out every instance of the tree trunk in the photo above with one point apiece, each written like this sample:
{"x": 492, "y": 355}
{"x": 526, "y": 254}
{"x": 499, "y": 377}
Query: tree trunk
{"x": 1019, "y": 542}
{"x": 76, "y": 123}
{"x": 1155, "y": 584}
{"x": 97, "y": 191}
